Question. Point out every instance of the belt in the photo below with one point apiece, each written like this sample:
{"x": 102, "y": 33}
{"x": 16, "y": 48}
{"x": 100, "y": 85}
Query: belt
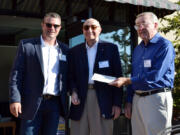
{"x": 151, "y": 92}
{"x": 90, "y": 86}
{"x": 48, "y": 96}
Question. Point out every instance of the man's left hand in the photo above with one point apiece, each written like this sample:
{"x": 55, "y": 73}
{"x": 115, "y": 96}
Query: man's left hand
{"x": 116, "y": 111}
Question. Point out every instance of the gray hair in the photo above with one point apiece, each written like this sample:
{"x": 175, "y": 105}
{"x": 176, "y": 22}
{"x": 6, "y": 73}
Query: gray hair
{"x": 154, "y": 18}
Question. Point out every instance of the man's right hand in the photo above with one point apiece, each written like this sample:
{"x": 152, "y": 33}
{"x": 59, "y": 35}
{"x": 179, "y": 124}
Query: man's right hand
{"x": 128, "y": 110}
{"x": 74, "y": 98}
{"x": 15, "y": 109}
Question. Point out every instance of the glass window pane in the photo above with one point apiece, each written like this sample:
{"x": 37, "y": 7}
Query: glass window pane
{"x": 120, "y": 37}
{"x": 76, "y": 40}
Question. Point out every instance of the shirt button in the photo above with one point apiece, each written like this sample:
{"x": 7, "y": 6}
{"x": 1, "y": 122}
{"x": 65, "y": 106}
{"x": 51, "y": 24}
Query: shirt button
{"x": 103, "y": 115}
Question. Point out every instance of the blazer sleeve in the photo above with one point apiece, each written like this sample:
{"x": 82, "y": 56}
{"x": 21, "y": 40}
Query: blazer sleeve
{"x": 71, "y": 73}
{"x": 117, "y": 71}
{"x": 16, "y": 76}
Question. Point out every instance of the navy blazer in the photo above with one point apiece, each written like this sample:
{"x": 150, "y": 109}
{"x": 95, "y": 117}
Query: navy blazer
{"x": 78, "y": 76}
{"x": 27, "y": 80}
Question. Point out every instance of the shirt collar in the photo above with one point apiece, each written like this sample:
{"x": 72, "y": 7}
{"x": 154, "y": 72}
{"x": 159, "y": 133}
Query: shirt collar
{"x": 45, "y": 44}
{"x": 153, "y": 40}
{"x": 94, "y": 45}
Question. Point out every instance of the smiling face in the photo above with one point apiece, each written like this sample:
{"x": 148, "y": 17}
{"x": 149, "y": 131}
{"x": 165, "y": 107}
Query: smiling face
{"x": 146, "y": 27}
{"x": 50, "y": 27}
{"x": 91, "y": 31}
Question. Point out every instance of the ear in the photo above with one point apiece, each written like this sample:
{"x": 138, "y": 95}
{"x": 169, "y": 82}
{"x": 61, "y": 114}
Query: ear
{"x": 60, "y": 28}
{"x": 41, "y": 24}
{"x": 156, "y": 25}
{"x": 100, "y": 29}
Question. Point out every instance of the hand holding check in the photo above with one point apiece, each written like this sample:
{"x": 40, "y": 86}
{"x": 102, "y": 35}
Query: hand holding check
{"x": 118, "y": 82}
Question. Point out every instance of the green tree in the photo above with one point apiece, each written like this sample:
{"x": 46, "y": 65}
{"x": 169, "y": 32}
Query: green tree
{"x": 173, "y": 24}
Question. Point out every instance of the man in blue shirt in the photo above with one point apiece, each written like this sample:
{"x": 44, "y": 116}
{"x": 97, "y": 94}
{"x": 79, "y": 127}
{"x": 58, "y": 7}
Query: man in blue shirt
{"x": 152, "y": 79}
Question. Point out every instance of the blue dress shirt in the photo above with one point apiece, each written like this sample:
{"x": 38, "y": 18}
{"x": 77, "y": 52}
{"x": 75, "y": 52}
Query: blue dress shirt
{"x": 152, "y": 66}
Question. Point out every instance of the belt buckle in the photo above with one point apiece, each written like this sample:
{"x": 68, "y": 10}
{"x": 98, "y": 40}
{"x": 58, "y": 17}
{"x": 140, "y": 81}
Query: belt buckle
{"x": 166, "y": 89}
{"x": 90, "y": 86}
{"x": 149, "y": 92}
{"x": 46, "y": 97}
{"x": 139, "y": 91}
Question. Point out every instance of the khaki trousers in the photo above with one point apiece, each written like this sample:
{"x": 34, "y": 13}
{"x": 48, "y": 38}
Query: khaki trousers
{"x": 91, "y": 122}
{"x": 151, "y": 114}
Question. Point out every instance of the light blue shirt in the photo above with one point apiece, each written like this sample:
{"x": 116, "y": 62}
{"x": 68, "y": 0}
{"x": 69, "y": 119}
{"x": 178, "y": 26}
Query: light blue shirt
{"x": 91, "y": 54}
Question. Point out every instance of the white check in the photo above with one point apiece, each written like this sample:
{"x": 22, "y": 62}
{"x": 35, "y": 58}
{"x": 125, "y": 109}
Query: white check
{"x": 103, "y": 78}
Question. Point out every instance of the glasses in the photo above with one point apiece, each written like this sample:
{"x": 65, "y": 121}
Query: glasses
{"x": 49, "y": 25}
{"x": 86, "y": 27}
{"x": 137, "y": 26}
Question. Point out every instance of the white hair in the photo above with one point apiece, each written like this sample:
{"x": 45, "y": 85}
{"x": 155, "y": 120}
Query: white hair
{"x": 154, "y": 18}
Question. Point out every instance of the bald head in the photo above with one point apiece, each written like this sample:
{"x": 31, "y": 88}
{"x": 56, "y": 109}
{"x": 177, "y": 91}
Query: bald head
{"x": 91, "y": 21}
{"x": 91, "y": 31}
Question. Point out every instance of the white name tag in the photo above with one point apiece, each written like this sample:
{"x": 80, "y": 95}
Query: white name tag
{"x": 147, "y": 63}
{"x": 103, "y": 64}
{"x": 62, "y": 57}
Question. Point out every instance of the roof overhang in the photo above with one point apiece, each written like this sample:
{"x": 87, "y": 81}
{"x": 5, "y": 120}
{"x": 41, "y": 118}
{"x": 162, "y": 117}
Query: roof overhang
{"x": 160, "y": 4}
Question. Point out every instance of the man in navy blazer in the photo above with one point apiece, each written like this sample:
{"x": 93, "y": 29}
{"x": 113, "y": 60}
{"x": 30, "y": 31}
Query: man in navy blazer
{"x": 38, "y": 80}
{"x": 94, "y": 104}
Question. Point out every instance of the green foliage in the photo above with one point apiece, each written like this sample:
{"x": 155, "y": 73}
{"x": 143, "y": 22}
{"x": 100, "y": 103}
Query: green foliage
{"x": 123, "y": 40}
{"x": 121, "y": 37}
{"x": 174, "y": 25}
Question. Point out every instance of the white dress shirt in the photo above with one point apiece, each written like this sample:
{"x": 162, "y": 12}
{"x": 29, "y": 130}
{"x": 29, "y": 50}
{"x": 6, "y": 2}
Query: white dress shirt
{"x": 91, "y": 53}
{"x": 50, "y": 56}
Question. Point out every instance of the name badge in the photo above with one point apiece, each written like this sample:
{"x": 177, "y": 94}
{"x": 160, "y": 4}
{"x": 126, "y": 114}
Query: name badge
{"x": 103, "y": 64}
{"x": 62, "y": 57}
{"x": 147, "y": 63}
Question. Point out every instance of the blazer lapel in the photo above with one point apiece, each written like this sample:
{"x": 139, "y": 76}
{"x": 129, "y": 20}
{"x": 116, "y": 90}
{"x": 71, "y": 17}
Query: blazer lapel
{"x": 99, "y": 54}
{"x": 84, "y": 58}
{"x": 39, "y": 53}
{"x": 61, "y": 49}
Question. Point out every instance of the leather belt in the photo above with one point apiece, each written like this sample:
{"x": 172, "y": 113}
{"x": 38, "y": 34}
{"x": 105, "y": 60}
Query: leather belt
{"x": 48, "y": 96}
{"x": 90, "y": 86}
{"x": 151, "y": 92}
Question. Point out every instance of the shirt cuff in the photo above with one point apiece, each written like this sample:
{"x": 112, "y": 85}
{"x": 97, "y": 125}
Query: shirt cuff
{"x": 134, "y": 79}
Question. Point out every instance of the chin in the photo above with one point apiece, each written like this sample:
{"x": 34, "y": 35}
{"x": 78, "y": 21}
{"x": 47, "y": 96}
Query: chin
{"x": 143, "y": 36}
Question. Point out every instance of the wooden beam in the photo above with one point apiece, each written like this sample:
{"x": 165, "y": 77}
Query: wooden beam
{"x": 14, "y": 5}
{"x": 42, "y": 7}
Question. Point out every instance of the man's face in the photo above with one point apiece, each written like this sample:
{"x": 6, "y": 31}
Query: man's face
{"x": 51, "y": 27}
{"x": 146, "y": 28}
{"x": 91, "y": 30}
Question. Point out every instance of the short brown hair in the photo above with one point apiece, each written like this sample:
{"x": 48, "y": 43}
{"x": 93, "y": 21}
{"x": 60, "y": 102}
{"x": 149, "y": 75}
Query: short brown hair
{"x": 52, "y": 14}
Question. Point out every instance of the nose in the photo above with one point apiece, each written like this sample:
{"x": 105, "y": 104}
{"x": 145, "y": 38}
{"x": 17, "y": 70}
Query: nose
{"x": 141, "y": 26}
{"x": 90, "y": 29}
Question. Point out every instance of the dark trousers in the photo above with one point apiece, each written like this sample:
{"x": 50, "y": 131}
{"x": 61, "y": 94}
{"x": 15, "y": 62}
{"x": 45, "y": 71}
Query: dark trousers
{"x": 45, "y": 121}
